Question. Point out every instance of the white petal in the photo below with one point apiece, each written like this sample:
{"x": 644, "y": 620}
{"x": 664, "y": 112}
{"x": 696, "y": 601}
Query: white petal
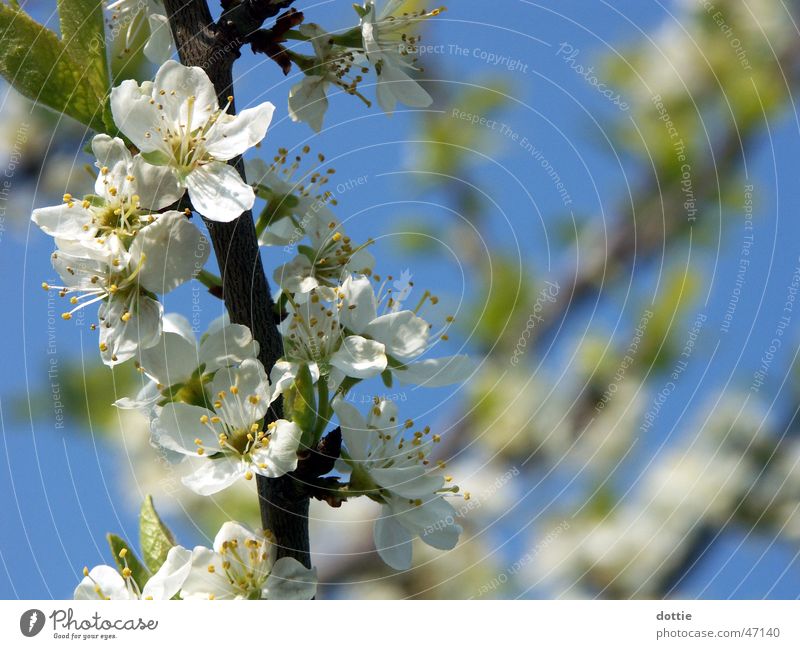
{"x": 110, "y": 582}
{"x": 433, "y": 521}
{"x": 157, "y": 187}
{"x": 290, "y": 579}
{"x": 392, "y": 541}
{"x": 408, "y": 482}
{"x": 135, "y": 116}
{"x": 170, "y": 576}
{"x": 218, "y": 192}
{"x": 214, "y": 475}
{"x": 227, "y": 346}
{"x": 178, "y": 425}
{"x": 252, "y": 395}
{"x": 65, "y": 222}
{"x": 205, "y": 584}
{"x": 280, "y": 456}
{"x": 296, "y": 276}
{"x": 172, "y": 360}
{"x": 395, "y": 85}
{"x": 185, "y": 90}
{"x": 360, "y": 358}
{"x": 231, "y": 137}
{"x": 354, "y": 429}
{"x": 308, "y": 101}
{"x": 175, "y": 251}
{"x": 158, "y": 47}
{"x": 404, "y": 333}
{"x": 360, "y": 295}
{"x": 234, "y": 531}
{"x": 436, "y": 372}
{"x": 120, "y": 339}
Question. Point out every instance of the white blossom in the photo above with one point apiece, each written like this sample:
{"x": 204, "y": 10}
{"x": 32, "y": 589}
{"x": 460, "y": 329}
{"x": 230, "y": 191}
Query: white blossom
{"x": 393, "y": 470}
{"x": 308, "y": 100}
{"x": 128, "y": 191}
{"x": 105, "y": 582}
{"x": 131, "y": 15}
{"x": 179, "y": 366}
{"x": 177, "y": 122}
{"x": 243, "y": 565}
{"x": 390, "y": 45}
{"x": 163, "y": 255}
{"x": 325, "y": 264}
{"x": 230, "y": 441}
{"x": 293, "y": 207}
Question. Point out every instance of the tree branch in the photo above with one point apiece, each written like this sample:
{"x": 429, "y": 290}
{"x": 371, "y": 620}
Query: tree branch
{"x": 245, "y": 289}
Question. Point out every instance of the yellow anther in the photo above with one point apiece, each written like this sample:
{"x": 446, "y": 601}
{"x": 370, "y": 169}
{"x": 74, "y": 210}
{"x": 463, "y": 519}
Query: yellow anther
{"x": 85, "y": 571}
{"x": 66, "y": 316}
{"x": 201, "y": 451}
{"x": 211, "y": 568}
{"x": 337, "y": 236}
{"x": 126, "y": 572}
{"x": 254, "y": 399}
{"x": 103, "y": 347}
{"x": 198, "y": 441}
{"x": 125, "y": 316}
{"x": 204, "y": 419}
{"x": 123, "y": 552}
{"x": 248, "y": 475}
{"x": 45, "y": 286}
{"x": 215, "y": 420}
{"x": 234, "y": 390}
{"x": 67, "y": 198}
{"x": 254, "y": 428}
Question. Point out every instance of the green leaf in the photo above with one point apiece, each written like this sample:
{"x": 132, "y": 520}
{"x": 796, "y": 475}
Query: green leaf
{"x": 37, "y": 64}
{"x": 84, "y": 36}
{"x": 154, "y": 537}
{"x": 139, "y": 573}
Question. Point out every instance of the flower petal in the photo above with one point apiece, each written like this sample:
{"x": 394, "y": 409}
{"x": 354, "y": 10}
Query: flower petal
{"x": 108, "y": 580}
{"x": 290, "y": 579}
{"x": 359, "y": 306}
{"x": 65, "y": 222}
{"x": 308, "y": 101}
{"x": 227, "y": 346}
{"x": 360, "y": 358}
{"x": 233, "y": 135}
{"x": 280, "y": 455}
{"x": 174, "y": 251}
{"x": 392, "y": 541}
{"x": 404, "y": 333}
{"x": 218, "y": 192}
{"x": 243, "y": 392}
{"x": 436, "y": 372}
{"x": 170, "y": 576}
{"x": 214, "y": 475}
{"x": 158, "y": 47}
{"x": 178, "y": 425}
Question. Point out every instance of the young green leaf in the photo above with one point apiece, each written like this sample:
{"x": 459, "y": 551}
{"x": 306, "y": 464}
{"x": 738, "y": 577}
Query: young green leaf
{"x": 139, "y": 573}
{"x": 37, "y": 64}
{"x": 154, "y": 536}
{"x": 83, "y": 34}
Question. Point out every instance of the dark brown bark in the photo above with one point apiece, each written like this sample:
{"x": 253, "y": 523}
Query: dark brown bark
{"x": 246, "y": 292}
